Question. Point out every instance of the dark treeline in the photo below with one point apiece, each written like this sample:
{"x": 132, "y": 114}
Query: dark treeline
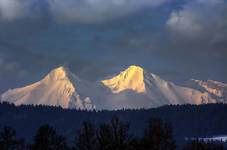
{"x": 187, "y": 120}
{"x": 111, "y": 135}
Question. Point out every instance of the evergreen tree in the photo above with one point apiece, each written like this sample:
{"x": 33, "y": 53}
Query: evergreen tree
{"x": 158, "y": 136}
{"x": 104, "y": 137}
{"x": 86, "y": 139}
{"x": 113, "y": 135}
{"x": 47, "y": 139}
{"x": 8, "y": 140}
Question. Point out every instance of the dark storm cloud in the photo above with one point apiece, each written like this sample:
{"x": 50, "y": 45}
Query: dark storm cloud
{"x": 20, "y": 67}
{"x": 96, "y": 38}
{"x": 8, "y": 67}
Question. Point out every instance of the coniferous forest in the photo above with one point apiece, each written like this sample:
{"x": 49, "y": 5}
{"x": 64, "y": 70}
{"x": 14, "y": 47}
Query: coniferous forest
{"x": 164, "y": 128}
{"x": 112, "y": 135}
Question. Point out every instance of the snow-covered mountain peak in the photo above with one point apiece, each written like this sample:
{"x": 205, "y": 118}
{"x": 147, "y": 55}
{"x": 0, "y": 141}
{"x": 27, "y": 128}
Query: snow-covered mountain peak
{"x": 150, "y": 89}
{"x": 130, "y": 79}
{"x": 59, "y": 73}
{"x": 59, "y": 88}
{"x": 133, "y": 68}
{"x": 134, "y": 87}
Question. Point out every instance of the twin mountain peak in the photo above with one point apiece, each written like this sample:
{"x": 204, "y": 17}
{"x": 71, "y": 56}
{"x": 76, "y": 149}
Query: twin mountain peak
{"x": 130, "y": 79}
{"x": 132, "y": 88}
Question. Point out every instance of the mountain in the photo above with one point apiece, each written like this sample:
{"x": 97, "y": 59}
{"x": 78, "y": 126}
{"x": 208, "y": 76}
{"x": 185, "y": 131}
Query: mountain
{"x": 217, "y": 90}
{"x": 59, "y": 88}
{"x": 133, "y": 88}
{"x": 130, "y": 79}
{"x": 138, "y": 88}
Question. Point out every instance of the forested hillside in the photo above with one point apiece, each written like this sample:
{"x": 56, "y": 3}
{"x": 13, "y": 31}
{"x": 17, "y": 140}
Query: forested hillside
{"x": 187, "y": 120}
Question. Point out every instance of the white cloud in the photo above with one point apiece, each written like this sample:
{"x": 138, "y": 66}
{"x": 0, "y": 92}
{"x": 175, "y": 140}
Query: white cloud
{"x": 185, "y": 22}
{"x": 10, "y": 9}
{"x": 199, "y": 19}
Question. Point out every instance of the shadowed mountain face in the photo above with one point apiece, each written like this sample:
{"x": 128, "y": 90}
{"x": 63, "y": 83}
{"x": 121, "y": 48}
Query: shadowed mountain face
{"x": 215, "y": 88}
{"x": 132, "y": 88}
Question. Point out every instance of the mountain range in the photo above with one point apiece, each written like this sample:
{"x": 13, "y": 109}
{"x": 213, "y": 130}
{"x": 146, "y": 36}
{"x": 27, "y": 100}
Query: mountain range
{"x": 133, "y": 88}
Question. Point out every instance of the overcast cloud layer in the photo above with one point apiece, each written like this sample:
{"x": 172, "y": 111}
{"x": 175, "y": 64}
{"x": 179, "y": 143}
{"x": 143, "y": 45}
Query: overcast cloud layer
{"x": 84, "y": 11}
{"x": 199, "y": 19}
{"x": 96, "y": 38}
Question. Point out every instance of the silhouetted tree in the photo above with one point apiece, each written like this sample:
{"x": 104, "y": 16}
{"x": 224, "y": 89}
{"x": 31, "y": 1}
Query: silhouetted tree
{"x": 86, "y": 139}
{"x": 109, "y": 136}
{"x": 47, "y": 139}
{"x": 113, "y": 135}
{"x": 158, "y": 136}
{"x": 202, "y": 145}
{"x": 104, "y": 137}
{"x": 8, "y": 140}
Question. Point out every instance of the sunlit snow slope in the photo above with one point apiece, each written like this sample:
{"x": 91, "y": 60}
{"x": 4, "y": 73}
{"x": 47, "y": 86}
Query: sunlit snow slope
{"x": 132, "y": 88}
{"x": 59, "y": 88}
{"x": 153, "y": 90}
{"x": 130, "y": 79}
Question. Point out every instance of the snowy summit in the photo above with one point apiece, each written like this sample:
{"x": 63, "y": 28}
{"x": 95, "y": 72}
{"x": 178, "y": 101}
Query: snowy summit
{"x": 58, "y": 88}
{"x": 134, "y": 87}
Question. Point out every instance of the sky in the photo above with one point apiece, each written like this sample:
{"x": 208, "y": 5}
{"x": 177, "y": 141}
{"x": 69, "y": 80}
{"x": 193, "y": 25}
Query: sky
{"x": 175, "y": 39}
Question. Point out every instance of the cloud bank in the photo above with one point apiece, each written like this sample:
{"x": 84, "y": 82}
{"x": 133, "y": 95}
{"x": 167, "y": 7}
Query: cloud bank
{"x": 200, "y": 19}
{"x": 168, "y": 38}
{"x": 82, "y": 11}
{"x": 11, "y": 10}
